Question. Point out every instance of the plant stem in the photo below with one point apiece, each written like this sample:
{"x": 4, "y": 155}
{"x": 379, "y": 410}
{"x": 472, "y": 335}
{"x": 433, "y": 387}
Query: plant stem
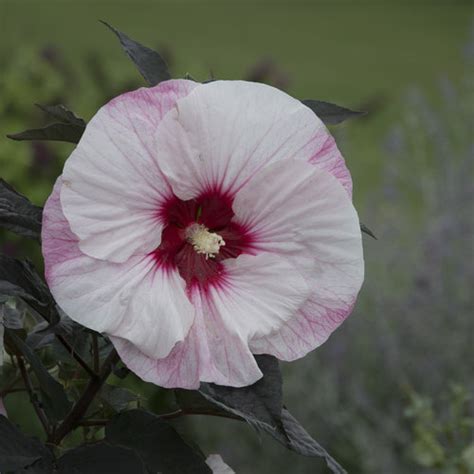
{"x": 29, "y": 387}
{"x": 95, "y": 353}
{"x": 66, "y": 344}
{"x": 76, "y": 356}
{"x": 73, "y": 419}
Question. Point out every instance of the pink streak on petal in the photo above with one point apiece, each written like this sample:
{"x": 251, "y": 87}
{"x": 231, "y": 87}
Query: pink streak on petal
{"x": 135, "y": 300}
{"x": 327, "y": 156}
{"x": 310, "y": 328}
{"x": 303, "y": 213}
{"x": 242, "y": 305}
{"x": 113, "y": 183}
{"x": 3, "y": 410}
{"x": 59, "y": 244}
{"x": 209, "y": 354}
{"x": 222, "y": 133}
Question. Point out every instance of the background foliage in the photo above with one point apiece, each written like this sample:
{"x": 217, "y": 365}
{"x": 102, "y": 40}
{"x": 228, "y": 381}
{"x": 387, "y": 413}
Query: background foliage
{"x": 391, "y": 391}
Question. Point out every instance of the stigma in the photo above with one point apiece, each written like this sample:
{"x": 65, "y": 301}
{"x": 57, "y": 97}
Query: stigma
{"x": 203, "y": 241}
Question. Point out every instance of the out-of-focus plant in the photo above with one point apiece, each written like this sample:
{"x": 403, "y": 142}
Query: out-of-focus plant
{"x": 27, "y": 78}
{"x": 445, "y": 442}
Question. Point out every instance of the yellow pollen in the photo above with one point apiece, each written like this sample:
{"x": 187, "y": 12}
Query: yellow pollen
{"x": 203, "y": 241}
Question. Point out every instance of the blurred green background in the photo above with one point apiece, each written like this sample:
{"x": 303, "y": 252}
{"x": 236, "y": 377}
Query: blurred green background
{"x": 391, "y": 390}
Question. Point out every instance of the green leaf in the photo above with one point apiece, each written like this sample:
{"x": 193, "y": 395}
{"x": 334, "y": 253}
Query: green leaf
{"x": 150, "y": 64}
{"x": 367, "y": 231}
{"x": 61, "y": 132}
{"x": 156, "y": 442}
{"x": 101, "y": 458}
{"x": 17, "y": 451}
{"x": 330, "y": 114}
{"x": 53, "y": 396}
{"x": 18, "y": 214}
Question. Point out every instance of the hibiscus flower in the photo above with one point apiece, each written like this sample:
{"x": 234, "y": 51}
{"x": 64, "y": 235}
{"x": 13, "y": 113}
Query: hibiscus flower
{"x": 199, "y": 224}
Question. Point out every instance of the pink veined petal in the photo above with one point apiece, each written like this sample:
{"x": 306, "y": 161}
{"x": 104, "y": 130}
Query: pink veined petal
{"x": 304, "y": 214}
{"x": 134, "y": 300}
{"x": 3, "y": 410}
{"x": 209, "y": 354}
{"x": 258, "y": 294}
{"x": 326, "y": 155}
{"x": 113, "y": 187}
{"x": 323, "y": 313}
{"x": 222, "y": 133}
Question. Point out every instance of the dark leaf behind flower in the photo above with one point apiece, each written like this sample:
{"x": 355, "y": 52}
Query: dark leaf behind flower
{"x": 117, "y": 398}
{"x": 61, "y": 132}
{"x": 261, "y": 406}
{"x": 150, "y": 64}
{"x": 18, "y": 451}
{"x": 69, "y": 128}
{"x": 257, "y": 403}
{"x": 53, "y": 396}
{"x": 330, "y": 114}
{"x": 63, "y": 114}
{"x": 367, "y": 231}
{"x": 19, "y": 278}
{"x": 156, "y": 442}
{"x": 101, "y": 458}
{"x": 18, "y": 214}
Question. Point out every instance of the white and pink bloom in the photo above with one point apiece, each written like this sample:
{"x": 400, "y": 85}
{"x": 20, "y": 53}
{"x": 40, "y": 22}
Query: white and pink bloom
{"x": 199, "y": 224}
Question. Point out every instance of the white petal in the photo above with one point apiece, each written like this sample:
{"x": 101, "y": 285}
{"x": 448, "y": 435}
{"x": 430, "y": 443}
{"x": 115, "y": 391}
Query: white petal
{"x": 304, "y": 213}
{"x": 331, "y": 302}
{"x": 134, "y": 300}
{"x": 113, "y": 187}
{"x": 223, "y": 132}
{"x": 217, "y": 464}
{"x": 291, "y": 207}
{"x": 258, "y": 295}
{"x": 210, "y": 353}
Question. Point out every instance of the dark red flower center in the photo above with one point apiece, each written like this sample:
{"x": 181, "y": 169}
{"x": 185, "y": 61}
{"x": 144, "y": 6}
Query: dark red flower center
{"x": 212, "y": 214}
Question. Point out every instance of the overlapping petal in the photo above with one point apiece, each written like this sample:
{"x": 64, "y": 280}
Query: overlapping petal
{"x": 222, "y": 133}
{"x": 303, "y": 213}
{"x": 135, "y": 300}
{"x": 258, "y": 295}
{"x": 113, "y": 185}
